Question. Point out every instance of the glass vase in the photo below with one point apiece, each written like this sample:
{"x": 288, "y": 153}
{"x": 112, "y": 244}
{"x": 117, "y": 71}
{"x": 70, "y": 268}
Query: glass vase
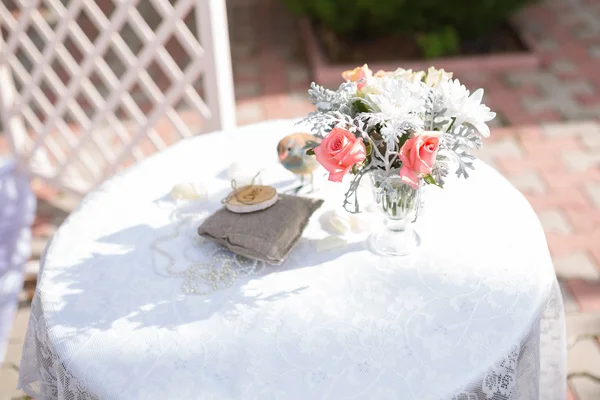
{"x": 399, "y": 204}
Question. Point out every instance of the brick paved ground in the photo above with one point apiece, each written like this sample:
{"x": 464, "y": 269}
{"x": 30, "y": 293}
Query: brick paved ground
{"x": 549, "y": 147}
{"x": 271, "y": 73}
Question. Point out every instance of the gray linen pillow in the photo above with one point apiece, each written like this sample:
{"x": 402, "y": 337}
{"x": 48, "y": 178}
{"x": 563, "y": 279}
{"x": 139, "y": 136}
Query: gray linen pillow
{"x": 267, "y": 235}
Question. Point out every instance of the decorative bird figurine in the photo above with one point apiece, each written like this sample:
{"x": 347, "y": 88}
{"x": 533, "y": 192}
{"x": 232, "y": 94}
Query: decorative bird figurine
{"x": 292, "y": 155}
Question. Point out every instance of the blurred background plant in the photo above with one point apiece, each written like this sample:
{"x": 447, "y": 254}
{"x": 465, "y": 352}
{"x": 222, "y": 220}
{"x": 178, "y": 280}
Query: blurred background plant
{"x": 437, "y": 27}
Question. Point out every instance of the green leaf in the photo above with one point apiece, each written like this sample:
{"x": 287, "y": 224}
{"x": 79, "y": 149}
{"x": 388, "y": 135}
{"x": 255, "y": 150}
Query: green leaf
{"x": 361, "y": 107}
{"x": 310, "y": 144}
{"x": 368, "y": 148}
{"x": 354, "y": 169}
{"x": 403, "y": 140}
{"x": 451, "y": 124}
{"x": 431, "y": 180}
{"x": 310, "y": 152}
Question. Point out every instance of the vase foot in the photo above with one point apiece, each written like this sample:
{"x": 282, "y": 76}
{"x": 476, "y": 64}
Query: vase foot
{"x": 394, "y": 243}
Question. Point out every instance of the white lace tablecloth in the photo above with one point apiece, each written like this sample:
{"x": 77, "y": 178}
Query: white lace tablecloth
{"x": 475, "y": 313}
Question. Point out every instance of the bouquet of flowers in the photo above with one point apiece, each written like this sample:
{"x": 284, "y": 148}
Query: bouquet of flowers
{"x": 413, "y": 126}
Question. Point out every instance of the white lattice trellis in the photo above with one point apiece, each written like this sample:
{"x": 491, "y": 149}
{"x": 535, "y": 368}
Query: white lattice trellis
{"x": 88, "y": 86}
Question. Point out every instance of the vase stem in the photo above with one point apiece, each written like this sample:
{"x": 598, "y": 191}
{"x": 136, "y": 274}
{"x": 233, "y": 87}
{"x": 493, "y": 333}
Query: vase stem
{"x": 396, "y": 225}
{"x": 399, "y": 204}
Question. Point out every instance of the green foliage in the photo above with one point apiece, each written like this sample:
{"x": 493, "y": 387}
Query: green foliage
{"x": 431, "y": 180}
{"x": 309, "y": 146}
{"x": 438, "y": 43}
{"x": 368, "y": 148}
{"x": 359, "y": 106}
{"x": 437, "y": 24}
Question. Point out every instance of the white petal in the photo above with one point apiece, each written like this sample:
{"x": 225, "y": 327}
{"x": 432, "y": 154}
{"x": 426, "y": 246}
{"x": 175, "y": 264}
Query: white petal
{"x": 477, "y": 96}
{"x": 184, "y": 191}
{"x": 482, "y": 128}
{"x": 490, "y": 116}
{"x": 336, "y": 222}
{"x": 201, "y": 190}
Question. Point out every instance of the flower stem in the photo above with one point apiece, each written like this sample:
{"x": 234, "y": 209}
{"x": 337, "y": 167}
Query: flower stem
{"x": 451, "y": 124}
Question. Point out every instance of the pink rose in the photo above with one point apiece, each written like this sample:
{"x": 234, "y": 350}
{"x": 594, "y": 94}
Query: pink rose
{"x": 358, "y": 74}
{"x": 418, "y": 155}
{"x": 339, "y": 151}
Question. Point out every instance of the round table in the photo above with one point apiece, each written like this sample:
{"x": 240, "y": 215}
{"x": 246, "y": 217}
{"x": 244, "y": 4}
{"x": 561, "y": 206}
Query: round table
{"x": 474, "y": 312}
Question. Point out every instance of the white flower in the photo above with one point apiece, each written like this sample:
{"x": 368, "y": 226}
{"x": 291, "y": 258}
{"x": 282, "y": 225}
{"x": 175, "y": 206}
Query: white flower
{"x": 336, "y": 221}
{"x": 402, "y": 73}
{"x": 465, "y": 108}
{"x": 397, "y": 99}
{"x": 189, "y": 191}
{"x": 436, "y": 76}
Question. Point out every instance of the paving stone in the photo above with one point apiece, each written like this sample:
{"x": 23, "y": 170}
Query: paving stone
{"x": 32, "y": 268}
{"x": 246, "y": 69}
{"x": 582, "y": 324}
{"x": 241, "y": 34}
{"x": 594, "y": 51}
{"x": 591, "y": 141}
{"x": 593, "y": 190}
{"x": 570, "y": 395}
{"x": 65, "y": 203}
{"x": 579, "y": 129}
{"x": 19, "y": 327}
{"x": 298, "y": 73}
{"x": 37, "y": 247}
{"x": 579, "y": 112}
{"x": 518, "y": 79}
{"x": 546, "y": 44}
{"x": 586, "y": 388}
{"x": 554, "y": 221}
{"x": 584, "y": 220}
{"x": 9, "y": 377}
{"x": 499, "y": 121}
{"x": 250, "y": 112}
{"x": 557, "y": 94}
{"x": 242, "y": 49}
{"x": 569, "y": 301}
{"x": 576, "y": 265}
{"x": 587, "y": 293}
{"x": 486, "y": 158}
{"x": 563, "y": 66}
{"x": 247, "y": 89}
{"x": 529, "y": 182}
{"x": 506, "y": 147}
{"x": 13, "y": 353}
{"x": 579, "y": 161}
{"x": 584, "y": 356}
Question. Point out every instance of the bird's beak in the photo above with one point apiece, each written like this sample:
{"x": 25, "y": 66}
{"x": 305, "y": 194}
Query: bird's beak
{"x": 283, "y": 155}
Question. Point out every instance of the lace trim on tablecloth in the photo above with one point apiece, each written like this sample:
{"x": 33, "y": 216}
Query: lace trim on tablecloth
{"x": 43, "y": 374}
{"x": 516, "y": 377}
{"x": 536, "y": 369}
